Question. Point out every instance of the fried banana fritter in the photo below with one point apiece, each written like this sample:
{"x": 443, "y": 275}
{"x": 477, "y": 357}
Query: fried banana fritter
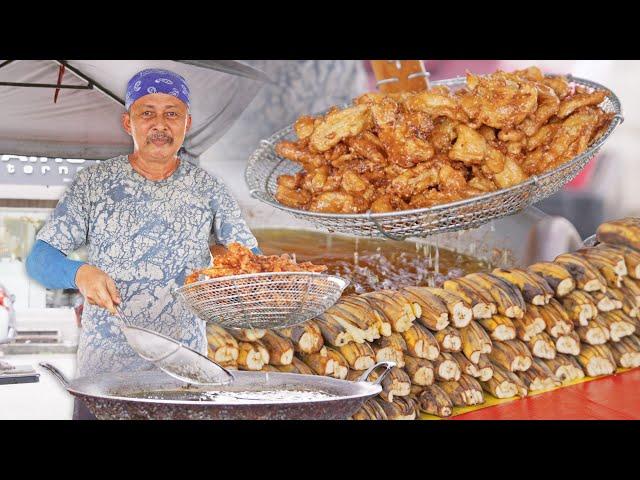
{"x": 239, "y": 260}
{"x": 391, "y": 152}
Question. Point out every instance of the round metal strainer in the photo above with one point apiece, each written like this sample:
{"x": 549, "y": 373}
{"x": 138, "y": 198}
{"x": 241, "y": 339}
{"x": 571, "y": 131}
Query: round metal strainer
{"x": 171, "y": 356}
{"x": 262, "y": 300}
{"x": 265, "y": 166}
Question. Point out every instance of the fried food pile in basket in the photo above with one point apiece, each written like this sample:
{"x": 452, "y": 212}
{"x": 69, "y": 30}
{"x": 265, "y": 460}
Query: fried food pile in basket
{"x": 238, "y": 260}
{"x": 391, "y": 152}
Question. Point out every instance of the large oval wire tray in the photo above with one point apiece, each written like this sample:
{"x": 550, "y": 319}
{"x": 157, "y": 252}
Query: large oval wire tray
{"x": 262, "y": 300}
{"x": 265, "y": 166}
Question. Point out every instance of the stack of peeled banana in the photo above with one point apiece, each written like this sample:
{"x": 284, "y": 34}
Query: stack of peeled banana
{"x": 507, "y": 333}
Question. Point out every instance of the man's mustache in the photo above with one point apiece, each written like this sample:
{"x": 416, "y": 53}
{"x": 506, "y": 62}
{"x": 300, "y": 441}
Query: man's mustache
{"x": 159, "y": 136}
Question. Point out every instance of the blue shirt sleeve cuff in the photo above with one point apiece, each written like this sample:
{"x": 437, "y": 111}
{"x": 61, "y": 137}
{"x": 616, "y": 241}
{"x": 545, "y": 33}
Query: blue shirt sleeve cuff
{"x": 51, "y": 268}
{"x": 71, "y": 271}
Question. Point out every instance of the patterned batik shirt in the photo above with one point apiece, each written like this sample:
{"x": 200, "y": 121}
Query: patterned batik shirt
{"x": 147, "y": 235}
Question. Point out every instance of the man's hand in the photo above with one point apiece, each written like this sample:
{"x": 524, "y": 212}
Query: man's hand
{"x": 97, "y": 287}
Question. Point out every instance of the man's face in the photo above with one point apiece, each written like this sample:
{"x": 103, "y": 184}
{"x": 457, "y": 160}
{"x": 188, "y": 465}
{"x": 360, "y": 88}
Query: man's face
{"x": 158, "y": 124}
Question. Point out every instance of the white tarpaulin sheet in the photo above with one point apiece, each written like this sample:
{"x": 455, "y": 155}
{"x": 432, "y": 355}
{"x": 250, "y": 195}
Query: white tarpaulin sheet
{"x": 86, "y": 123}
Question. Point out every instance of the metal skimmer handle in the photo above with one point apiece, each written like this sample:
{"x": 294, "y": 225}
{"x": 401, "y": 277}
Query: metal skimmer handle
{"x": 56, "y": 373}
{"x": 387, "y": 368}
{"x": 120, "y": 316}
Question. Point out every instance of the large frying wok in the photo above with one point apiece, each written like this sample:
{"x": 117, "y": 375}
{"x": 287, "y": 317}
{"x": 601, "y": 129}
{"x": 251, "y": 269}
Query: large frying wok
{"x": 153, "y": 395}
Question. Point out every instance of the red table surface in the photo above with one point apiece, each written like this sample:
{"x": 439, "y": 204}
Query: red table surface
{"x": 615, "y": 397}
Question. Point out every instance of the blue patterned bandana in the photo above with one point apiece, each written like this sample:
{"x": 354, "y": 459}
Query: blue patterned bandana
{"x": 156, "y": 80}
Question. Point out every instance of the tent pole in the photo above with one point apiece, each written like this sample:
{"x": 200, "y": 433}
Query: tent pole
{"x": 6, "y": 62}
{"x": 92, "y": 83}
{"x": 45, "y": 85}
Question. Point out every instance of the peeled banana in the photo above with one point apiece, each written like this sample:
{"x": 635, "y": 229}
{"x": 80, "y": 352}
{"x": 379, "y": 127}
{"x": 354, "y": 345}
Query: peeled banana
{"x": 475, "y": 341}
{"x": 565, "y": 367}
{"x": 466, "y": 366}
{"x": 597, "y": 360}
{"x": 222, "y": 347}
{"x": 249, "y": 357}
{"x": 434, "y": 313}
{"x": 631, "y": 257}
{"x": 370, "y": 410}
{"x": 332, "y": 330}
{"x": 449, "y": 340}
{"x": 539, "y": 377}
{"x": 463, "y": 392}
{"x": 421, "y": 343}
{"x": 395, "y": 383}
{"x": 556, "y": 320}
{"x": 401, "y": 408}
{"x": 533, "y": 287}
{"x": 359, "y": 356}
{"x": 586, "y": 276}
{"x": 446, "y": 367}
{"x": 499, "y": 327}
{"x": 280, "y": 349}
{"x": 391, "y": 349}
{"x": 481, "y": 303}
{"x": 610, "y": 264}
{"x": 580, "y": 307}
{"x": 400, "y": 312}
{"x": 460, "y": 314}
{"x": 568, "y": 343}
{"x": 542, "y": 346}
{"x": 485, "y": 367}
{"x": 595, "y": 333}
{"x": 340, "y": 364}
{"x": 530, "y": 324}
{"x": 434, "y": 401}
{"x": 373, "y": 321}
{"x": 618, "y": 323}
{"x": 306, "y": 338}
{"x": 627, "y": 352}
{"x": 321, "y": 363}
{"x": 507, "y": 297}
{"x": 504, "y": 384}
{"x": 607, "y": 301}
{"x": 625, "y": 231}
{"x": 556, "y": 276}
{"x": 420, "y": 370}
{"x": 512, "y": 355}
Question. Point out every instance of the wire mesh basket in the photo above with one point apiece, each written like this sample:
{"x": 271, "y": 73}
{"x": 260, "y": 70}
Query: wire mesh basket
{"x": 262, "y": 300}
{"x": 265, "y": 166}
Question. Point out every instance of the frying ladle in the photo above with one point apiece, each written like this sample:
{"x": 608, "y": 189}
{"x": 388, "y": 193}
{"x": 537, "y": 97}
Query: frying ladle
{"x": 171, "y": 356}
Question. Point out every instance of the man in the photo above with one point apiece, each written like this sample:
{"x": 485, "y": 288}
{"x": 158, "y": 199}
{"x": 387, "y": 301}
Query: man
{"x": 146, "y": 219}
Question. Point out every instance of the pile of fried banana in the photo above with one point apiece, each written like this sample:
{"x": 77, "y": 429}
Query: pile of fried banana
{"x": 238, "y": 260}
{"x": 391, "y": 152}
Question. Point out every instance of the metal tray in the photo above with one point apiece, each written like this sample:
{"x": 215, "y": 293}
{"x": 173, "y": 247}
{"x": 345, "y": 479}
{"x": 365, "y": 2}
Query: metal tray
{"x": 265, "y": 166}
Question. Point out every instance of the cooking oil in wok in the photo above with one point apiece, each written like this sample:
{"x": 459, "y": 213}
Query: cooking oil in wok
{"x": 231, "y": 397}
{"x": 370, "y": 264}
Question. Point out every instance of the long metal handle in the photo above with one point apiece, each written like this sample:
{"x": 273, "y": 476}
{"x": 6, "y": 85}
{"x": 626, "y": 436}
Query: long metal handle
{"x": 387, "y": 368}
{"x": 56, "y": 373}
{"x": 120, "y": 316}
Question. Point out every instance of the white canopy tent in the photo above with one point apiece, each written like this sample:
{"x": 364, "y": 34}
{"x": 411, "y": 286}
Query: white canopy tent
{"x": 84, "y": 121}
